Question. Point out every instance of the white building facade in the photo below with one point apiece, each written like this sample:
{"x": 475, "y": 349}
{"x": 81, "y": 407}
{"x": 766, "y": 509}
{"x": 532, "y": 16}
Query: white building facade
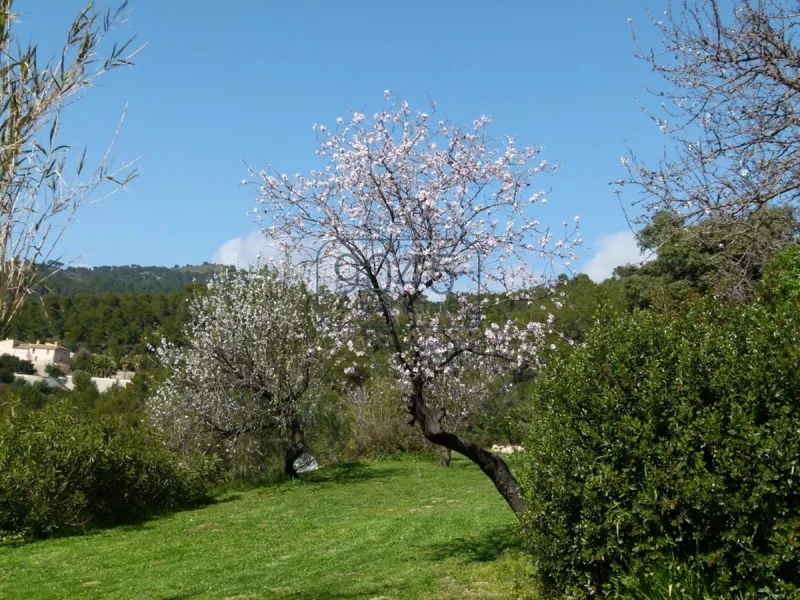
{"x": 40, "y": 355}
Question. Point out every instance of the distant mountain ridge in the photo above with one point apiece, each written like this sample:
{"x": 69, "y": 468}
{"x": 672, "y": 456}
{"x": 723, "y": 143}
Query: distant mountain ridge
{"x": 135, "y": 279}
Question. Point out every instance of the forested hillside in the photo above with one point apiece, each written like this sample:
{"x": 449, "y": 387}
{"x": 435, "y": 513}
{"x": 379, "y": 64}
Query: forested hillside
{"x": 120, "y": 310}
{"x": 127, "y": 322}
{"x": 114, "y": 323}
{"x": 116, "y": 310}
{"x": 71, "y": 281}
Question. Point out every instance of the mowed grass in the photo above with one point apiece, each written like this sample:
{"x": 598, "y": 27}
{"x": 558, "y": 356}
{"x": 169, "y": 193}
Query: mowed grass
{"x": 382, "y": 530}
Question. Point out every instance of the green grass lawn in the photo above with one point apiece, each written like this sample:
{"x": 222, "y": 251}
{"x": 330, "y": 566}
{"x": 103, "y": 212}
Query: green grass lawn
{"x": 381, "y": 530}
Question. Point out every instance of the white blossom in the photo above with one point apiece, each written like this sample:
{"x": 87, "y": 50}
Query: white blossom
{"x": 251, "y": 362}
{"x": 410, "y": 207}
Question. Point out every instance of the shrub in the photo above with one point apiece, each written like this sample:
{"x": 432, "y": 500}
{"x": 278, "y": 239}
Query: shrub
{"x": 670, "y": 435}
{"x": 123, "y": 402}
{"x": 377, "y": 422}
{"x": 55, "y": 371}
{"x": 11, "y": 365}
{"x": 62, "y": 470}
{"x": 781, "y": 281}
{"x": 22, "y": 396}
{"x": 671, "y": 581}
{"x": 498, "y": 417}
{"x": 80, "y": 361}
{"x": 84, "y": 393}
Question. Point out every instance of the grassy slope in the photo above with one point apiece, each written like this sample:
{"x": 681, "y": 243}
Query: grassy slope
{"x": 381, "y": 530}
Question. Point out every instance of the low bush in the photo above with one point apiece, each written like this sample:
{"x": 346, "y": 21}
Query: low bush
{"x": 781, "y": 282}
{"x": 55, "y": 371}
{"x": 11, "y": 365}
{"x": 378, "y": 424}
{"x": 670, "y": 437}
{"x": 62, "y": 470}
{"x": 671, "y": 581}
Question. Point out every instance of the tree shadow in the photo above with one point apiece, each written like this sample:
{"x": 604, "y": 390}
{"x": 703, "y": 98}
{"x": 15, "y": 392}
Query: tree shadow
{"x": 326, "y": 593}
{"x": 486, "y": 547}
{"x": 340, "y": 473}
{"x": 182, "y": 596}
{"x": 224, "y": 499}
{"x": 246, "y": 483}
{"x": 348, "y": 472}
{"x": 312, "y": 593}
{"x": 141, "y": 522}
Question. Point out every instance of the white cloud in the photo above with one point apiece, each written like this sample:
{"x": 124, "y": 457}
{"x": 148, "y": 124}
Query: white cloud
{"x": 246, "y": 250}
{"x": 612, "y": 251}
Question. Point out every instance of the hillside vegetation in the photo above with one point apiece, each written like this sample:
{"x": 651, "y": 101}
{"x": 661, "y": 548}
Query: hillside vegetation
{"x": 71, "y": 281}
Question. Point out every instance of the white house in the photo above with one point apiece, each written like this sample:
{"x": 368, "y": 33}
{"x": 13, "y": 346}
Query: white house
{"x": 40, "y": 355}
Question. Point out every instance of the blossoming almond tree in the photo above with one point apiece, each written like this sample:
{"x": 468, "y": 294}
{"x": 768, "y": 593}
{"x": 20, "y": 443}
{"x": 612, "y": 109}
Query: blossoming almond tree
{"x": 251, "y": 366}
{"x": 411, "y": 205}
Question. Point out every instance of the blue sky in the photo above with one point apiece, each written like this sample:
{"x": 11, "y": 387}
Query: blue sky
{"x": 219, "y": 83}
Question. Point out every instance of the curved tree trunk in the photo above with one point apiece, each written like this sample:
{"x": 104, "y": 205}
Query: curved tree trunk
{"x": 296, "y": 450}
{"x": 494, "y": 467}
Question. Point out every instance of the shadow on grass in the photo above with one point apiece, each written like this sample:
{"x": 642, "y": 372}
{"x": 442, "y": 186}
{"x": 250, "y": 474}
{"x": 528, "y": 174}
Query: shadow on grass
{"x": 310, "y": 593}
{"x": 326, "y": 593}
{"x": 141, "y": 522}
{"x": 247, "y": 483}
{"x": 348, "y": 472}
{"x": 340, "y": 473}
{"x": 343, "y": 473}
{"x": 486, "y": 547}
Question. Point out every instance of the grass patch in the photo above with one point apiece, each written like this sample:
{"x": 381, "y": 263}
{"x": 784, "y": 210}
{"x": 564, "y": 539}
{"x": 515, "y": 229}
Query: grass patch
{"x": 376, "y": 530}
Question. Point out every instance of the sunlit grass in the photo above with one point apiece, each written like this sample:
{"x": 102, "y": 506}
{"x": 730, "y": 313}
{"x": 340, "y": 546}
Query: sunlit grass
{"x": 390, "y": 530}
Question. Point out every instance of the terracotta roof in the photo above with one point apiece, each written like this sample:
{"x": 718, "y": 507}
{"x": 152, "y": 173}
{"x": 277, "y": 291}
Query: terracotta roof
{"x": 26, "y": 345}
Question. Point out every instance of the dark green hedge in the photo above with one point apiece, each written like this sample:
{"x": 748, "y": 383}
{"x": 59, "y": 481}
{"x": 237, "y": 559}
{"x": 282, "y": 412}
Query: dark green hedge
{"x": 62, "y": 470}
{"x": 666, "y": 437}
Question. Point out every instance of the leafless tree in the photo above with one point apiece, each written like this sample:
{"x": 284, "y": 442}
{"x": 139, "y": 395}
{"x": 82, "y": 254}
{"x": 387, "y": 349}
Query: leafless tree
{"x": 43, "y": 182}
{"x": 730, "y": 109}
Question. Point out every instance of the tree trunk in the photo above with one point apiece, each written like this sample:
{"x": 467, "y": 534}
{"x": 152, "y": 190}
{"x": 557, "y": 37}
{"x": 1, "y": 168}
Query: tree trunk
{"x": 296, "y": 450}
{"x": 494, "y": 467}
